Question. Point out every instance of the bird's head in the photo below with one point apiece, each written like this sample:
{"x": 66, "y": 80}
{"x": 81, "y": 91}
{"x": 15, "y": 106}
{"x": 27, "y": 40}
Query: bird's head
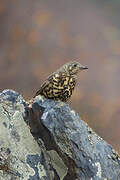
{"x": 74, "y": 67}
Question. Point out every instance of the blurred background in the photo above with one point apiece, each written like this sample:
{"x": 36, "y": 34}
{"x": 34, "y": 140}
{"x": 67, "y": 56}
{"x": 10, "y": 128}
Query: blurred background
{"x": 37, "y": 37}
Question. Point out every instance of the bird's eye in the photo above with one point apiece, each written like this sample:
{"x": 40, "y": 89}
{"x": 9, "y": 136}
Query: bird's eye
{"x": 75, "y": 65}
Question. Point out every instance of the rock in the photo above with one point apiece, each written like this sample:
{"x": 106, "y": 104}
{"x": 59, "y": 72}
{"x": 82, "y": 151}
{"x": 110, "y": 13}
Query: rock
{"x": 20, "y": 155}
{"x": 85, "y": 154}
{"x": 49, "y": 141}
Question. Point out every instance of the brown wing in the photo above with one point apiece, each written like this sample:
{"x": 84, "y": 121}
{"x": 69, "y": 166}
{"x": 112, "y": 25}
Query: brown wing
{"x": 53, "y": 83}
{"x": 42, "y": 87}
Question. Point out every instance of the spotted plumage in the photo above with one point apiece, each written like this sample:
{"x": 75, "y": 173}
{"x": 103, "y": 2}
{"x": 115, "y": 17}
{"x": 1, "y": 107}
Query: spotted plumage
{"x": 60, "y": 85}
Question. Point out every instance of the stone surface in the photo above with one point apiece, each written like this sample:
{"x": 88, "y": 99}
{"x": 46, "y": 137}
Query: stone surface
{"x": 20, "y": 155}
{"x": 85, "y": 154}
{"x": 49, "y": 141}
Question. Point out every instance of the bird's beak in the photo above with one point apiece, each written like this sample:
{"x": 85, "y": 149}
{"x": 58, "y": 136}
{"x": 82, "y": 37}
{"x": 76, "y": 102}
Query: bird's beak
{"x": 83, "y": 67}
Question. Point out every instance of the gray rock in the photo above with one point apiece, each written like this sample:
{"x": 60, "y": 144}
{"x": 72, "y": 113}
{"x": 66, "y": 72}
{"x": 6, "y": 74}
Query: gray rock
{"x": 86, "y": 155}
{"x": 21, "y": 157}
{"x": 49, "y": 141}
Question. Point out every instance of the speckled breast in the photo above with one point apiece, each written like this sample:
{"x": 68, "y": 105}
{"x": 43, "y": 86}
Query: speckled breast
{"x": 60, "y": 87}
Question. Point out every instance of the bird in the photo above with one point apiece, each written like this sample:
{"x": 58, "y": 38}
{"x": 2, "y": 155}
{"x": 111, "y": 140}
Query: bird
{"x": 60, "y": 84}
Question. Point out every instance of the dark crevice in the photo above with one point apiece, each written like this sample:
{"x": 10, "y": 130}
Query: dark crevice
{"x": 38, "y": 130}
